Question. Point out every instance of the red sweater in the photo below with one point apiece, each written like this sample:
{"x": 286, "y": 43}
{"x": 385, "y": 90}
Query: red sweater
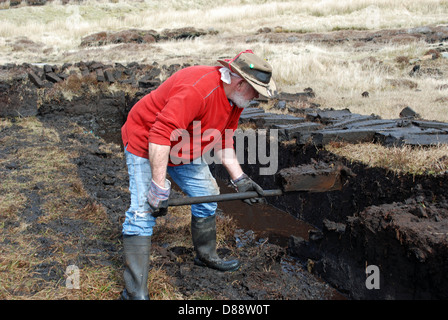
{"x": 189, "y": 104}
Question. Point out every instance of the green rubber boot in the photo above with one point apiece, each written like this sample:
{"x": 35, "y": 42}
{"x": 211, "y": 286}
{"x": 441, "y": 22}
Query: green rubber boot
{"x": 137, "y": 250}
{"x": 203, "y": 231}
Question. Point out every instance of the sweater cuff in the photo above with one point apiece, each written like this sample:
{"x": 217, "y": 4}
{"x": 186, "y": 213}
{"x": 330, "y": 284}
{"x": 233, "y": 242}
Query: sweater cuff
{"x": 241, "y": 177}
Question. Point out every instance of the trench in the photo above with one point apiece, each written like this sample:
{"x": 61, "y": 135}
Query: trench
{"x": 265, "y": 220}
{"x": 373, "y": 220}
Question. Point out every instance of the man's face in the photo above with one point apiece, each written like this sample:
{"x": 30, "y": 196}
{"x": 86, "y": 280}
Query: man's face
{"x": 244, "y": 93}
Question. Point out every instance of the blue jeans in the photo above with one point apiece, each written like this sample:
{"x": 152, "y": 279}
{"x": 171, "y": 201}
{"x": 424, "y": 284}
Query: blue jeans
{"x": 194, "y": 180}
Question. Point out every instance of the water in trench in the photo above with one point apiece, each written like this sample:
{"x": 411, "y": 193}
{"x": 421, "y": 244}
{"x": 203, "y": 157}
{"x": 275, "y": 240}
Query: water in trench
{"x": 264, "y": 220}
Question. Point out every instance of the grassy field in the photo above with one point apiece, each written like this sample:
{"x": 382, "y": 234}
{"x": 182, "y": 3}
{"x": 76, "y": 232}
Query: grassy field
{"x": 338, "y": 74}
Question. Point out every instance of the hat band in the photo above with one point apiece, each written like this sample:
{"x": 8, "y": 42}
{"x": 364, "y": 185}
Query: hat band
{"x": 236, "y": 57}
{"x": 262, "y": 76}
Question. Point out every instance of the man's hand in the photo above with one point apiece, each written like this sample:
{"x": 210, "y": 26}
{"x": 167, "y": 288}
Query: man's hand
{"x": 158, "y": 198}
{"x": 244, "y": 183}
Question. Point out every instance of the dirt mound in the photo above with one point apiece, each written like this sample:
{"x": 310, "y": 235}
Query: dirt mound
{"x": 430, "y": 34}
{"x": 397, "y": 223}
{"x": 406, "y": 241}
{"x": 142, "y": 36}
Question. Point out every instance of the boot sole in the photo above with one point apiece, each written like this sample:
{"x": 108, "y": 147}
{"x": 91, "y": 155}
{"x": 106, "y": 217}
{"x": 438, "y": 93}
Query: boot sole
{"x": 200, "y": 263}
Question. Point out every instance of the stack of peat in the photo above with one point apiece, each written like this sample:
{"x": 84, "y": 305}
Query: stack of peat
{"x": 321, "y": 126}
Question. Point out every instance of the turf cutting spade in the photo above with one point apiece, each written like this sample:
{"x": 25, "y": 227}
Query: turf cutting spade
{"x": 318, "y": 177}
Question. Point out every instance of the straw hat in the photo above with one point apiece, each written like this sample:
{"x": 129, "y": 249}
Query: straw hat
{"x": 253, "y": 69}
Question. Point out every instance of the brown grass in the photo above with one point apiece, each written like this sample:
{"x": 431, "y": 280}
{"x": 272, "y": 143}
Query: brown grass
{"x": 406, "y": 159}
{"x": 46, "y": 171}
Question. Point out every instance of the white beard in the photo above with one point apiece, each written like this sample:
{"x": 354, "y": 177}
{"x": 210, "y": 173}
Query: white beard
{"x": 239, "y": 100}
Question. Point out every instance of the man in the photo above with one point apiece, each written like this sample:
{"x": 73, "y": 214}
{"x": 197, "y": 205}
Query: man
{"x": 199, "y": 98}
